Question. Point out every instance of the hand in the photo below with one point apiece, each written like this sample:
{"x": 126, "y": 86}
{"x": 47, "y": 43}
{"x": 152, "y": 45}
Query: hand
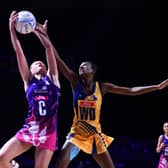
{"x": 163, "y": 84}
{"x": 12, "y": 20}
{"x": 41, "y": 29}
{"x": 159, "y": 147}
{"x": 41, "y": 32}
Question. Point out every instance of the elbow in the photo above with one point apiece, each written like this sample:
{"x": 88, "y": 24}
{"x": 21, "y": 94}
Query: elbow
{"x": 133, "y": 93}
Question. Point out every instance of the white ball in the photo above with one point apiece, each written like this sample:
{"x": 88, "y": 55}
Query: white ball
{"x": 26, "y": 22}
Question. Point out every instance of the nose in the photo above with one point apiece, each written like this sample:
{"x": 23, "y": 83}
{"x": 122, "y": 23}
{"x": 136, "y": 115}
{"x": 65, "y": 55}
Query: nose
{"x": 80, "y": 68}
{"x": 39, "y": 64}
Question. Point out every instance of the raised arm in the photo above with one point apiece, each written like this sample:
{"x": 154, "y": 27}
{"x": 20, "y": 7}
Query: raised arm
{"x": 70, "y": 75}
{"x": 160, "y": 144}
{"x": 21, "y": 59}
{"x": 41, "y": 32}
{"x": 132, "y": 91}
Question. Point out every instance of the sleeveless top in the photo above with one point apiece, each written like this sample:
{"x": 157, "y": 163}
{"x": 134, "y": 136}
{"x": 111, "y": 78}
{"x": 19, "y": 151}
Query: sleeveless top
{"x": 41, "y": 121}
{"x": 87, "y": 107}
{"x": 165, "y": 148}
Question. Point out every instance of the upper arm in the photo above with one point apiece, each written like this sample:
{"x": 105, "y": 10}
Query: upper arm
{"x": 52, "y": 66}
{"x": 69, "y": 74}
{"x": 53, "y": 69}
{"x": 159, "y": 144}
{"x": 159, "y": 140}
{"x": 54, "y": 78}
{"x": 112, "y": 88}
{"x": 21, "y": 59}
{"x": 23, "y": 67}
{"x": 131, "y": 91}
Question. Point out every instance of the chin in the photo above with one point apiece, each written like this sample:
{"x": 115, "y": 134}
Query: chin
{"x": 82, "y": 75}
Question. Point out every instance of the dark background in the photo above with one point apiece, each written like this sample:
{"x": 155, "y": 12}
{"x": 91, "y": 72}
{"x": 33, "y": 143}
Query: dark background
{"x": 128, "y": 42}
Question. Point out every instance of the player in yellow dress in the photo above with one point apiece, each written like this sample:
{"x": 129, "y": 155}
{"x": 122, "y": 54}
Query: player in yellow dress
{"x": 85, "y": 133}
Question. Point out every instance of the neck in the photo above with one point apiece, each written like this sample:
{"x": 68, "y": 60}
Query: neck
{"x": 88, "y": 84}
{"x": 38, "y": 76}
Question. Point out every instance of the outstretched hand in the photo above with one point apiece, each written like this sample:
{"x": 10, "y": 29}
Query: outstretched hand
{"x": 41, "y": 29}
{"x": 41, "y": 32}
{"x": 163, "y": 84}
{"x": 12, "y": 20}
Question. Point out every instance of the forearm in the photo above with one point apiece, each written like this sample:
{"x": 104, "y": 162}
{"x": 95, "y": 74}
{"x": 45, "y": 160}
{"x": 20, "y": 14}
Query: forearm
{"x": 15, "y": 42}
{"x": 51, "y": 61}
{"x": 44, "y": 39}
{"x": 143, "y": 89}
{"x": 158, "y": 149}
{"x": 62, "y": 66}
{"x": 131, "y": 91}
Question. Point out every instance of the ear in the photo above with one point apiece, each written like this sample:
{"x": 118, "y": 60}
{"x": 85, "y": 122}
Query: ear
{"x": 93, "y": 71}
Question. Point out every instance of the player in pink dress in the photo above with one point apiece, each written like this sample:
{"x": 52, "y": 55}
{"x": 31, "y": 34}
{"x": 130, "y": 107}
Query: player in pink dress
{"x": 162, "y": 147}
{"x": 42, "y": 89}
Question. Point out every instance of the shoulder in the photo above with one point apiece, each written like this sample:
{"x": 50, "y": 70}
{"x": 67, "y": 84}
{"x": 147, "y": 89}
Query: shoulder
{"x": 27, "y": 84}
{"x": 103, "y": 87}
{"x": 100, "y": 86}
{"x": 78, "y": 86}
{"x": 53, "y": 80}
{"x": 161, "y": 137}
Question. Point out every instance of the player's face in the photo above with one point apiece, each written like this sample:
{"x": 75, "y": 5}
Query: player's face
{"x": 85, "y": 68}
{"x": 38, "y": 67}
{"x": 165, "y": 128}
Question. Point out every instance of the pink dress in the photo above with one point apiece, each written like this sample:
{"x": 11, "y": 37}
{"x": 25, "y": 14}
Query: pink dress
{"x": 163, "y": 161}
{"x": 40, "y": 125}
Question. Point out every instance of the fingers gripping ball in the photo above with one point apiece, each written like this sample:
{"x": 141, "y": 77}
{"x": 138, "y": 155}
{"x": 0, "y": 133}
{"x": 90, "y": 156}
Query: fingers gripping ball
{"x": 26, "y": 22}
